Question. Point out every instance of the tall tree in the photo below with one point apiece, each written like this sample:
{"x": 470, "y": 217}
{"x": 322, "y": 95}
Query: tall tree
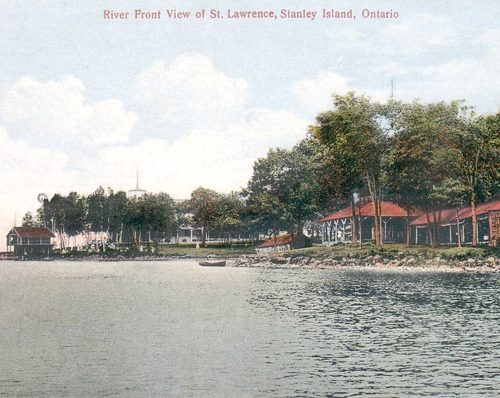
{"x": 204, "y": 204}
{"x": 229, "y": 215}
{"x": 65, "y": 215}
{"x": 159, "y": 215}
{"x": 475, "y": 143}
{"x": 117, "y": 204}
{"x": 74, "y": 214}
{"x": 283, "y": 190}
{"x": 98, "y": 210}
{"x": 355, "y": 132}
{"x": 421, "y": 166}
{"x": 134, "y": 219}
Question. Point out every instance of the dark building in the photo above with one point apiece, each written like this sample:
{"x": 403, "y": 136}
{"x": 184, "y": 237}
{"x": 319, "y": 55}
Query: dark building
{"x": 30, "y": 241}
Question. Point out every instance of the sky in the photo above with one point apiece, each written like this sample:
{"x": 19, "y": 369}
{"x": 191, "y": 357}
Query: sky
{"x": 85, "y": 100}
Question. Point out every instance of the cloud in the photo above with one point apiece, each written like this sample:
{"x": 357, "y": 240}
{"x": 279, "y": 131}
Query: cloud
{"x": 421, "y": 33}
{"x": 490, "y": 39}
{"x": 316, "y": 94}
{"x": 187, "y": 93}
{"x": 426, "y": 58}
{"x": 26, "y": 171}
{"x": 57, "y": 114}
{"x": 220, "y": 158}
{"x": 473, "y": 78}
{"x": 52, "y": 120}
{"x": 3, "y": 136}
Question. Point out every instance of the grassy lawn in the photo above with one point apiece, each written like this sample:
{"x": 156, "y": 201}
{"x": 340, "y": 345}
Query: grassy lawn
{"x": 317, "y": 251}
{"x": 392, "y": 250}
{"x": 387, "y": 250}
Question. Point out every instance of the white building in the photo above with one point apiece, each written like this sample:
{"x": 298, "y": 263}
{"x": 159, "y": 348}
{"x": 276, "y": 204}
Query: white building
{"x": 136, "y": 192}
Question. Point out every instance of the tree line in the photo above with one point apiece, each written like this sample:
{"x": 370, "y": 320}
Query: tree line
{"x": 150, "y": 217}
{"x": 425, "y": 156}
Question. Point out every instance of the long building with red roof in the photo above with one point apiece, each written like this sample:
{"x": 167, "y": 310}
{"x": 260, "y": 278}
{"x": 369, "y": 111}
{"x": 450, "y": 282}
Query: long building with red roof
{"x": 401, "y": 225}
{"x": 337, "y": 227}
{"x": 449, "y": 221}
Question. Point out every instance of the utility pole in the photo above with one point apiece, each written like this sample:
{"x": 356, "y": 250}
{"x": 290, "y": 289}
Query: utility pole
{"x": 137, "y": 178}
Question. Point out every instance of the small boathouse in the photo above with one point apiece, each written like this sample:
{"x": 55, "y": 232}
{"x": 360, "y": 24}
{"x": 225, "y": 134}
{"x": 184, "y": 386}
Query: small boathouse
{"x": 30, "y": 241}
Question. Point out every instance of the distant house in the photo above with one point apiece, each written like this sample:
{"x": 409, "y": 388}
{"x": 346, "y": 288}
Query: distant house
{"x": 451, "y": 220}
{"x": 281, "y": 243}
{"x": 188, "y": 234}
{"x": 337, "y": 227}
{"x": 30, "y": 241}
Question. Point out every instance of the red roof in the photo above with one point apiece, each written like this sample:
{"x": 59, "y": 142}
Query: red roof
{"x": 448, "y": 215}
{"x": 483, "y": 208}
{"x": 32, "y": 232}
{"x": 388, "y": 209}
{"x": 440, "y": 216}
{"x": 280, "y": 240}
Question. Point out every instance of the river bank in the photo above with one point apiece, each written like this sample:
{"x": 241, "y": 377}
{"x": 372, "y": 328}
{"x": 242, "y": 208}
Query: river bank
{"x": 490, "y": 264}
{"x": 399, "y": 257}
{"x": 395, "y": 257}
{"x": 112, "y": 256}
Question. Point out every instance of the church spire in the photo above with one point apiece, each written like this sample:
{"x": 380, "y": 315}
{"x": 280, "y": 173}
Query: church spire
{"x": 136, "y": 192}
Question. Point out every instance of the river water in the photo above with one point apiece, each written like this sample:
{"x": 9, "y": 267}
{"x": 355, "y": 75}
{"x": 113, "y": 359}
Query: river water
{"x": 172, "y": 328}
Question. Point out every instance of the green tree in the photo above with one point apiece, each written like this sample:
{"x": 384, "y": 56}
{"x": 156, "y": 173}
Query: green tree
{"x": 64, "y": 214}
{"x": 134, "y": 219}
{"x": 98, "y": 210}
{"x": 204, "y": 204}
{"x": 29, "y": 220}
{"x": 475, "y": 144}
{"x": 422, "y": 166}
{"x": 283, "y": 190}
{"x": 356, "y": 133}
{"x": 74, "y": 214}
{"x": 52, "y": 213}
{"x": 159, "y": 215}
{"x": 153, "y": 214}
{"x": 117, "y": 205}
{"x": 229, "y": 216}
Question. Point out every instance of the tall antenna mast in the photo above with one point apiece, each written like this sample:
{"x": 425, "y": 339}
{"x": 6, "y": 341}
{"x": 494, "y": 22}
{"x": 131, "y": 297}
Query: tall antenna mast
{"x": 137, "y": 178}
{"x": 392, "y": 88}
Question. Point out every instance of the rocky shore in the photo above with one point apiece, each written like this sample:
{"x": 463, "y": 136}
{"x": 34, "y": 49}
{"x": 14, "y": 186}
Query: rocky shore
{"x": 98, "y": 257}
{"x": 401, "y": 261}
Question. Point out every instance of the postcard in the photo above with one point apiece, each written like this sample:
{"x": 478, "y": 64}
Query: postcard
{"x": 136, "y": 129}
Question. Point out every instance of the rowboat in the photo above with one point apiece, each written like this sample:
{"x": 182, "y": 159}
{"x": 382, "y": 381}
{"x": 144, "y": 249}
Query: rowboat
{"x": 220, "y": 263}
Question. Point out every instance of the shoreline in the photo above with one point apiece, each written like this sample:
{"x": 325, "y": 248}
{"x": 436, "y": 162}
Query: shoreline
{"x": 402, "y": 261}
{"x": 377, "y": 263}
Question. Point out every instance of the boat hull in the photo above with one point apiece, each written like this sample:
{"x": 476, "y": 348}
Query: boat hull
{"x": 212, "y": 263}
